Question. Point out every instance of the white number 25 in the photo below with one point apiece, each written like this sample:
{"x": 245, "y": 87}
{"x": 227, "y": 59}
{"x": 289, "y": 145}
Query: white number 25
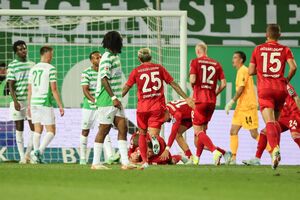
{"x": 153, "y": 79}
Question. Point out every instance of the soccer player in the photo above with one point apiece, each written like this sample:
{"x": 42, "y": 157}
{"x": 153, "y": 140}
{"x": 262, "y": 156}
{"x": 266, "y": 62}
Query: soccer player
{"x": 149, "y": 78}
{"x": 89, "y": 109}
{"x": 245, "y": 114}
{"x": 17, "y": 76}
{"x": 289, "y": 119}
{"x": 205, "y": 73}
{"x": 42, "y": 87}
{"x": 180, "y": 114}
{"x": 268, "y": 62}
{"x": 108, "y": 100}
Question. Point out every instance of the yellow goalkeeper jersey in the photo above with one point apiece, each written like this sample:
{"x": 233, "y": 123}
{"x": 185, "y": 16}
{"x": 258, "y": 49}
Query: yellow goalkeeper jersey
{"x": 247, "y": 100}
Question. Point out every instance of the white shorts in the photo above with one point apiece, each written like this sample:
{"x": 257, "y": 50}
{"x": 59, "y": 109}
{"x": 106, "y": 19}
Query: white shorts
{"x": 43, "y": 115}
{"x": 88, "y": 119}
{"x": 18, "y": 115}
{"x": 106, "y": 115}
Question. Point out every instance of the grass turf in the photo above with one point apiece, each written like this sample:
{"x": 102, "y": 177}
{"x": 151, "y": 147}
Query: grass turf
{"x": 70, "y": 181}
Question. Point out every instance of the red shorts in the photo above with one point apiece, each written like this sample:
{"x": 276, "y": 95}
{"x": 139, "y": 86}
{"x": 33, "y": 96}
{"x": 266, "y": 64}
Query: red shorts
{"x": 152, "y": 119}
{"x": 202, "y": 113}
{"x": 271, "y": 99}
{"x": 292, "y": 122}
{"x": 187, "y": 123}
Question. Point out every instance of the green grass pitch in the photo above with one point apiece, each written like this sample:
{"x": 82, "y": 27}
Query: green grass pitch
{"x": 72, "y": 181}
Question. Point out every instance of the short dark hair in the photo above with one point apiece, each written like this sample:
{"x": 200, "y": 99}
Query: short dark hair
{"x": 113, "y": 41}
{"x": 273, "y": 31}
{"x": 2, "y": 65}
{"x": 18, "y": 43}
{"x": 45, "y": 49}
{"x": 242, "y": 55}
{"x": 92, "y": 53}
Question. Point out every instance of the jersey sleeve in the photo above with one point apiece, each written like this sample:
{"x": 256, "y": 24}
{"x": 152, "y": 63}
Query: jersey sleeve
{"x": 85, "y": 79}
{"x": 242, "y": 78}
{"x": 11, "y": 73}
{"x": 131, "y": 79}
{"x": 253, "y": 56}
{"x": 167, "y": 76}
{"x": 177, "y": 117}
{"x": 52, "y": 75}
{"x": 105, "y": 69}
{"x": 193, "y": 69}
{"x": 291, "y": 90}
{"x": 289, "y": 54}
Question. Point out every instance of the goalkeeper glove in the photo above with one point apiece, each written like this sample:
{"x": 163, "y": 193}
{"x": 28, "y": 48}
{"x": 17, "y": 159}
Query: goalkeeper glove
{"x": 229, "y": 106}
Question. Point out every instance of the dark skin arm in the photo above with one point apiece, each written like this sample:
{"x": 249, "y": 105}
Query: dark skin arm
{"x": 125, "y": 90}
{"x": 116, "y": 102}
{"x": 13, "y": 94}
{"x": 86, "y": 92}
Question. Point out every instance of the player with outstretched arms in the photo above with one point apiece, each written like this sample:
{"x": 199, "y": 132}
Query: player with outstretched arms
{"x": 205, "y": 73}
{"x": 42, "y": 87}
{"x": 108, "y": 100}
{"x": 150, "y": 78}
{"x": 268, "y": 62}
{"x": 89, "y": 109}
{"x": 17, "y": 76}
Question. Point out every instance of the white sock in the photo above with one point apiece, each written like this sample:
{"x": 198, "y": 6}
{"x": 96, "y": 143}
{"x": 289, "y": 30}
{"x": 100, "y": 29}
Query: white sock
{"x": 98, "y": 148}
{"x": 36, "y": 140}
{"x": 108, "y": 150}
{"x": 46, "y": 141}
{"x": 122, "y": 144}
{"x": 83, "y": 146}
{"x": 29, "y": 144}
{"x": 20, "y": 144}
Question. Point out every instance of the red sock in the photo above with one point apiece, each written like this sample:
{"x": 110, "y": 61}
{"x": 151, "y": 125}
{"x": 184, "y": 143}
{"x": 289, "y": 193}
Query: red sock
{"x": 143, "y": 147}
{"x": 200, "y": 148}
{"x": 297, "y": 140}
{"x": 188, "y": 153}
{"x": 261, "y": 145}
{"x": 272, "y": 134}
{"x": 279, "y": 130}
{"x": 221, "y": 150}
{"x": 206, "y": 141}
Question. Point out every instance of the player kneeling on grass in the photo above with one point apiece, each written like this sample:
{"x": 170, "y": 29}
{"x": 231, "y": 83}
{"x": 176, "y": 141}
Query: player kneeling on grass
{"x": 89, "y": 110}
{"x": 153, "y": 158}
{"x": 289, "y": 119}
{"x": 205, "y": 73}
{"x": 108, "y": 101}
{"x": 42, "y": 88}
{"x": 150, "y": 78}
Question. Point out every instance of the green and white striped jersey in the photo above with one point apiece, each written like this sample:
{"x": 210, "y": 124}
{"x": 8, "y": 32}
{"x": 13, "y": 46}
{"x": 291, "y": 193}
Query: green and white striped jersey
{"x": 40, "y": 77}
{"x": 89, "y": 77}
{"x": 18, "y": 71}
{"x": 110, "y": 67}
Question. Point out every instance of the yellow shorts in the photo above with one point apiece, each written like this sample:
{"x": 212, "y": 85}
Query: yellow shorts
{"x": 248, "y": 119}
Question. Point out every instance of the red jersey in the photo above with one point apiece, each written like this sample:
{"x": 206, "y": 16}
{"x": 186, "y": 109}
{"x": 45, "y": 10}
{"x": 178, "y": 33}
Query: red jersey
{"x": 270, "y": 59}
{"x": 180, "y": 112}
{"x": 208, "y": 72}
{"x": 290, "y": 107}
{"x": 156, "y": 158}
{"x": 149, "y": 78}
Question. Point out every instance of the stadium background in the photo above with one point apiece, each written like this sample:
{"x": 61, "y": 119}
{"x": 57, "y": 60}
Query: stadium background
{"x": 238, "y": 25}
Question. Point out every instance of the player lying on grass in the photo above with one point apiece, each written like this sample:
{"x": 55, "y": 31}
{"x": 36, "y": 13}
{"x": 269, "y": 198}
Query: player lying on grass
{"x": 150, "y": 78}
{"x": 181, "y": 115}
{"x": 89, "y": 110}
{"x": 108, "y": 100}
{"x": 205, "y": 73}
{"x": 289, "y": 119}
{"x": 268, "y": 62}
{"x": 17, "y": 76}
{"x": 42, "y": 87}
{"x": 245, "y": 114}
{"x": 153, "y": 158}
